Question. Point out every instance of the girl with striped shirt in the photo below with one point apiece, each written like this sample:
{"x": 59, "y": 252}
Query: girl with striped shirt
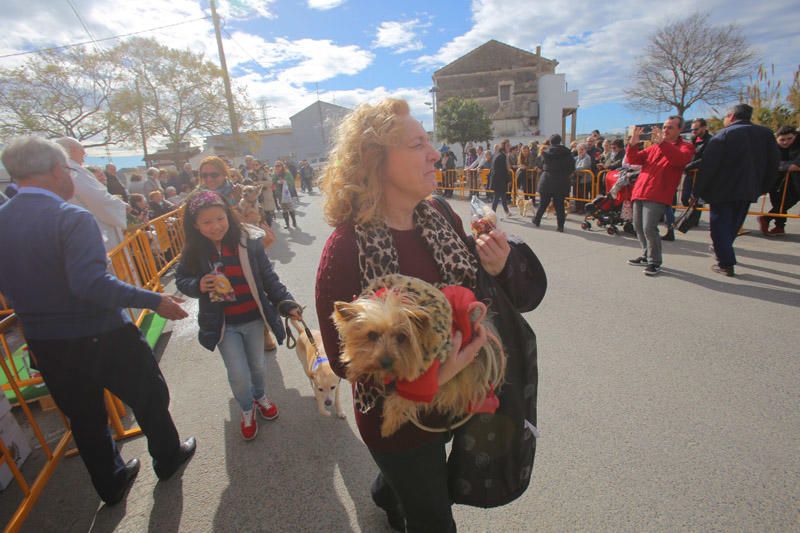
{"x": 239, "y": 293}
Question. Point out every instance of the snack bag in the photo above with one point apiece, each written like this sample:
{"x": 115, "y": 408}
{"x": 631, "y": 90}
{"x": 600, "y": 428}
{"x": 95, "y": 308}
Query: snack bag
{"x": 484, "y": 219}
{"x": 223, "y": 290}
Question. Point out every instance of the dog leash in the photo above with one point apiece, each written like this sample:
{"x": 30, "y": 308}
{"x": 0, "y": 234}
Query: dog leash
{"x": 291, "y": 340}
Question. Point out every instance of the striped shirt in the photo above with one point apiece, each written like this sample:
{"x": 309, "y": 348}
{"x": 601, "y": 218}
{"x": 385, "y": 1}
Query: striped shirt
{"x": 244, "y": 309}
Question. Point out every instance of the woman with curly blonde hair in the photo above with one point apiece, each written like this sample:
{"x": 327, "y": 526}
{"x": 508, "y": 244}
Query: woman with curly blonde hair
{"x": 376, "y": 186}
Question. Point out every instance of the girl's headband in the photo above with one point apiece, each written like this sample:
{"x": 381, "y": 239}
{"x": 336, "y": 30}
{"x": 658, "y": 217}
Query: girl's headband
{"x": 205, "y": 199}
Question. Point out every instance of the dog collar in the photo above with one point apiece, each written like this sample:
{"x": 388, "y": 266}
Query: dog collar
{"x": 318, "y": 361}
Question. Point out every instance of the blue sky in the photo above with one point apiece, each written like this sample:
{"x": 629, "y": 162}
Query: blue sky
{"x": 353, "y": 51}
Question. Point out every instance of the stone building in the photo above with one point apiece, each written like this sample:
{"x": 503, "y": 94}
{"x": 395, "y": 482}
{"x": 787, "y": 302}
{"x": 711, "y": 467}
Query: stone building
{"x": 520, "y": 90}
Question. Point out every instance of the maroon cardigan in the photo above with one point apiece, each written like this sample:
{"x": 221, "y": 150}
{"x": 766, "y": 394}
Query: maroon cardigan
{"x": 339, "y": 279}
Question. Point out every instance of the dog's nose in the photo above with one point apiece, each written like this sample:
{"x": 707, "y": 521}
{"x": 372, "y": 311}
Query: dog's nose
{"x": 386, "y": 362}
{"x": 328, "y": 402}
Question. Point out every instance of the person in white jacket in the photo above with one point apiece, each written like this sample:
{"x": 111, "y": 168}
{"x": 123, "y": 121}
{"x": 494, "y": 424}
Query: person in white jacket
{"x": 109, "y": 211}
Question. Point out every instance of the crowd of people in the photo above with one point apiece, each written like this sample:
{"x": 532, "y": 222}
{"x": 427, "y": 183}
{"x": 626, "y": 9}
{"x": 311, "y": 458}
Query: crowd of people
{"x": 669, "y": 163}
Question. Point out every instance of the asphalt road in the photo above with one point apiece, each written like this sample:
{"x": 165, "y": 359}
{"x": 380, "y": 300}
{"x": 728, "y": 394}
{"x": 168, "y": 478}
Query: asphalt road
{"x": 666, "y": 404}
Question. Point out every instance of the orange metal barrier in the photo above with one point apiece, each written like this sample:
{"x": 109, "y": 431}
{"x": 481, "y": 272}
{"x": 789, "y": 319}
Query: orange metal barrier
{"x": 763, "y": 211}
{"x": 30, "y": 492}
{"x": 5, "y": 307}
{"x": 141, "y": 259}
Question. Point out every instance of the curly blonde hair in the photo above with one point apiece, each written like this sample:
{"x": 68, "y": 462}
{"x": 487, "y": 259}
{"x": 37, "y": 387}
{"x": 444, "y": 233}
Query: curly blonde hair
{"x": 351, "y": 181}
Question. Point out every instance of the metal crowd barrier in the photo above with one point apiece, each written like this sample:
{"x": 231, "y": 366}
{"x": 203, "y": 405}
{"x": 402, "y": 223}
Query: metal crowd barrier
{"x": 143, "y": 257}
{"x": 464, "y": 181}
{"x": 585, "y": 187}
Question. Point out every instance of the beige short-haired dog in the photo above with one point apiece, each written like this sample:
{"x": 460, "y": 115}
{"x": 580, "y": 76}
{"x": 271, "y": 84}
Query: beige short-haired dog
{"x": 318, "y": 369}
{"x": 524, "y": 203}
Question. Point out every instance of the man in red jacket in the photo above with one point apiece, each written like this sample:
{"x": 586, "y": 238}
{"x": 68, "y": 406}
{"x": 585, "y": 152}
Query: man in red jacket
{"x": 662, "y": 167}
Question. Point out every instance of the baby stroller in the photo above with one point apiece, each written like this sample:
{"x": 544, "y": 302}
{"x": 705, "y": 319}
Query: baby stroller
{"x": 613, "y": 209}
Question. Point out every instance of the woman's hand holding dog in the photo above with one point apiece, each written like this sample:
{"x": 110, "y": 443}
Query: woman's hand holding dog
{"x": 493, "y": 250}
{"x": 460, "y": 358}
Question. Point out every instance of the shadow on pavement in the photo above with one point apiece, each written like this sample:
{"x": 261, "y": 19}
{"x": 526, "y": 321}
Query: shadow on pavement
{"x": 165, "y": 516}
{"x": 731, "y": 286}
{"x": 294, "y": 475}
{"x": 280, "y": 250}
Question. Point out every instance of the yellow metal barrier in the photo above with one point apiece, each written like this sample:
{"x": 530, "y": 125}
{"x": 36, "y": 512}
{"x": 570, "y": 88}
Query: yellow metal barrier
{"x": 5, "y": 307}
{"x": 141, "y": 259}
{"x": 763, "y": 211}
{"x": 30, "y": 492}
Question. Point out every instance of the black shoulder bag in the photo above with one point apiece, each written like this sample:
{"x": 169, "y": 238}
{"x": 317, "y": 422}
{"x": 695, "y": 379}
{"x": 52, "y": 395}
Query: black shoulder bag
{"x": 491, "y": 461}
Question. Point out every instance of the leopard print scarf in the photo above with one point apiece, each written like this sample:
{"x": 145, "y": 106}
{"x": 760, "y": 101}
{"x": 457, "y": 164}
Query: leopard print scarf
{"x": 377, "y": 256}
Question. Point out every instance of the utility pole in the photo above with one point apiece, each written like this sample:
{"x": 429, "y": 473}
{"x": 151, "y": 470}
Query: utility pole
{"x": 262, "y": 104}
{"x": 141, "y": 120}
{"x": 225, "y": 78}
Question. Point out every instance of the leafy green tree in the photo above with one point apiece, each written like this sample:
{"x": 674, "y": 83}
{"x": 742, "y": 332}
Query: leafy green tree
{"x": 460, "y": 120}
{"x": 178, "y": 93}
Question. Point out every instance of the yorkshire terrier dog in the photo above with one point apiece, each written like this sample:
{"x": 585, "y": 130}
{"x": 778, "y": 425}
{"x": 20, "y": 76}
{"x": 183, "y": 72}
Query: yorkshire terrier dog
{"x": 399, "y": 331}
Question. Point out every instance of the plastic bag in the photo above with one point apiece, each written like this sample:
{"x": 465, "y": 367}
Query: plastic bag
{"x": 223, "y": 290}
{"x": 484, "y": 219}
{"x": 286, "y": 195}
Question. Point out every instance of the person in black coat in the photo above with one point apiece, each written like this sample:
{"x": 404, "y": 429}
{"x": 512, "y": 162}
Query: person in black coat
{"x": 557, "y": 167}
{"x": 739, "y": 164}
{"x": 784, "y": 195}
{"x": 700, "y": 140}
{"x": 501, "y": 177}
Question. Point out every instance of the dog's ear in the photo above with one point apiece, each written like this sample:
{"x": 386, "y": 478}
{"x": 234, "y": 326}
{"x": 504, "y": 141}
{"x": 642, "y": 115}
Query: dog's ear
{"x": 344, "y": 311}
{"x": 419, "y": 316}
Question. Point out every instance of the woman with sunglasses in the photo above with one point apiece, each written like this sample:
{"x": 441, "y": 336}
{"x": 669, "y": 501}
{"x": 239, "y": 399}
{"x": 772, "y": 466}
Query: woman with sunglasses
{"x": 215, "y": 176}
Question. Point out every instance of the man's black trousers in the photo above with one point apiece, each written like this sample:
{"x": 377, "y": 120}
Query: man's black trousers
{"x": 77, "y": 370}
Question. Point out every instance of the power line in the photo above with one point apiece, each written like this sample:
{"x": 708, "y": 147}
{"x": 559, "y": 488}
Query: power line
{"x": 85, "y": 28}
{"x": 245, "y": 51}
{"x": 52, "y": 48}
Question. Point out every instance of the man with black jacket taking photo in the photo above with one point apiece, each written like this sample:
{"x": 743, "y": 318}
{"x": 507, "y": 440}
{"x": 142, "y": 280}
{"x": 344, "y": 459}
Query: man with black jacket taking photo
{"x": 558, "y": 165}
{"x": 739, "y": 164}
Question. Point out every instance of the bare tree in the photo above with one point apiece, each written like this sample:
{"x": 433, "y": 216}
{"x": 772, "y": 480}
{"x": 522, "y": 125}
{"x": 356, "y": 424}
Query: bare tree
{"x": 690, "y": 61}
{"x": 60, "y": 93}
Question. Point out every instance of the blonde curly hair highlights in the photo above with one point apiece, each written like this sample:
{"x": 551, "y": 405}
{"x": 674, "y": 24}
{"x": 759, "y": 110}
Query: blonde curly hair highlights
{"x": 351, "y": 181}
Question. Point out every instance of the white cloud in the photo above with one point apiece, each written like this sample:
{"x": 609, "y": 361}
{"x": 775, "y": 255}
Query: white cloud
{"x": 399, "y": 35}
{"x": 299, "y": 61}
{"x": 245, "y": 9}
{"x": 597, "y": 48}
{"x": 324, "y": 5}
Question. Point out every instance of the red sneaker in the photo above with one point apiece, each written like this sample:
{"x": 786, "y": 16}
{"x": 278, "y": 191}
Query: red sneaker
{"x": 777, "y": 230}
{"x": 763, "y": 223}
{"x": 249, "y": 424}
{"x": 267, "y": 409}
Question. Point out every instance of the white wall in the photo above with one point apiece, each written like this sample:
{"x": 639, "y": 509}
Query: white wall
{"x": 553, "y": 99}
